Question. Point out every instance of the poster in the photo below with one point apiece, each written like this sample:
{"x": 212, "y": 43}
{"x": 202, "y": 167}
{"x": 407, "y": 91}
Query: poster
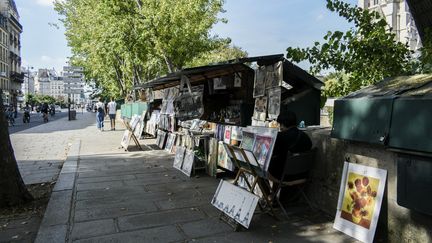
{"x": 260, "y": 110}
{"x": 223, "y": 160}
{"x": 134, "y": 122}
{"x": 236, "y": 133}
{"x": 170, "y": 142}
{"x": 178, "y": 159}
{"x": 235, "y": 202}
{"x": 248, "y": 141}
{"x": 126, "y": 139}
{"x": 237, "y": 80}
{"x": 227, "y": 135}
{"x": 161, "y": 136}
{"x": 189, "y": 105}
{"x": 360, "y": 198}
{"x": 188, "y": 162}
{"x": 218, "y": 84}
{"x": 274, "y": 75}
{"x": 259, "y": 84}
{"x": 262, "y": 149}
{"x": 274, "y": 102}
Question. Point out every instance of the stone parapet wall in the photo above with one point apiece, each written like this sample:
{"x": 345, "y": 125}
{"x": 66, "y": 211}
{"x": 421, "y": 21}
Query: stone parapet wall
{"x": 396, "y": 223}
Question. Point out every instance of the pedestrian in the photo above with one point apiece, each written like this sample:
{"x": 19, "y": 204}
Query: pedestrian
{"x": 112, "y": 109}
{"x": 100, "y": 115}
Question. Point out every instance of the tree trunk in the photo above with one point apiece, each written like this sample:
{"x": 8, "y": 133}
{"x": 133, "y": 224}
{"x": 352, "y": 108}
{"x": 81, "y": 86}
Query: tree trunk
{"x": 12, "y": 188}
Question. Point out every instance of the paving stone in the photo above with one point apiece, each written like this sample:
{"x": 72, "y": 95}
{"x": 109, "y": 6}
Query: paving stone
{"x": 89, "y": 229}
{"x": 210, "y": 210}
{"x": 117, "y": 210}
{"x": 99, "y": 185}
{"x": 159, "y": 219}
{"x": 182, "y": 203}
{"x": 65, "y": 182}
{"x": 55, "y": 233}
{"x": 110, "y": 192}
{"x": 106, "y": 178}
{"x": 57, "y": 211}
{"x": 160, "y": 234}
{"x": 205, "y": 227}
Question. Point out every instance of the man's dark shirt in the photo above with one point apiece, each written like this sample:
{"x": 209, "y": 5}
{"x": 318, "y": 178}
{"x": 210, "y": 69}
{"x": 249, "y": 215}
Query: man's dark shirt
{"x": 292, "y": 140}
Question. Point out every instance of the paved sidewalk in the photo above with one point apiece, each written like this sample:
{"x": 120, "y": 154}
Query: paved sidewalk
{"x": 119, "y": 196}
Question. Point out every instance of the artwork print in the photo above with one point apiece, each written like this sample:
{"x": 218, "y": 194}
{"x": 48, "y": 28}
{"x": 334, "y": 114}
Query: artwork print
{"x": 170, "y": 142}
{"x": 227, "y": 135}
{"x": 178, "y": 159}
{"x": 360, "y": 199}
{"x": 262, "y": 148}
{"x": 188, "y": 162}
{"x": 235, "y": 202}
{"x": 274, "y": 75}
{"x": 248, "y": 141}
{"x": 126, "y": 139}
{"x": 218, "y": 84}
{"x": 237, "y": 80}
{"x": 259, "y": 84}
{"x": 236, "y": 133}
{"x": 223, "y": 160}
{"x": 260, "y": 110}
{"x": 274, "y": 102}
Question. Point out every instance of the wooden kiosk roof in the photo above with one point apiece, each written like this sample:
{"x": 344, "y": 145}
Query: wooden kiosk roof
{"x": 197, "y": 75}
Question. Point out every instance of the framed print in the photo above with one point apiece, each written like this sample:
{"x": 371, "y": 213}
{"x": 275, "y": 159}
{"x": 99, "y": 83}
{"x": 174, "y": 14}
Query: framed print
{"x": 179, "y": 157}
{"x": 235, "y": 202}
{"x": 360, "y": 198}
{"x": 248, "y": 141}
{"x": 188, "y": 162}
{"x": 218, "y": 84}
{"x": 262, "y": 149}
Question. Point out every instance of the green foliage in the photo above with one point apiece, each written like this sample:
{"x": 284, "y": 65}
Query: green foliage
{"x": 366, "y": 54}
{"x": 39, "y": 99}
{"x": 121, "y": 43}
{"x": 223, "y": 53}
{"x": 424, "y": 63}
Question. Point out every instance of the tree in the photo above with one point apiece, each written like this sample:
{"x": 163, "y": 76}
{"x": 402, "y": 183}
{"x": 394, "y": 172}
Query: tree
{"x": 223, "y": 53}
{"x": 12, "y": 188}
{"x": 364, "y": 54}
{"x": 121, "y": 43}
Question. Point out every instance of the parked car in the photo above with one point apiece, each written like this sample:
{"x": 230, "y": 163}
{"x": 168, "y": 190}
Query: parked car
{"x": 57, "y": 108}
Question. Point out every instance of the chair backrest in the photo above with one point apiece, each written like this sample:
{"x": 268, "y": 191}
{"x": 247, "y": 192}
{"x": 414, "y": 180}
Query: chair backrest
{"x": 299, "y": 162}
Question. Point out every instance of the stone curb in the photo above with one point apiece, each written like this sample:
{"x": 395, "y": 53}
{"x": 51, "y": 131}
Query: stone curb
{"x": 54, "y": 226}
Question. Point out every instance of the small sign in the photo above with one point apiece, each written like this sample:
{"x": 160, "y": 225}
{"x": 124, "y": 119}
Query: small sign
{"x": 360, "y": 198}
{"x": 235, "y": 202}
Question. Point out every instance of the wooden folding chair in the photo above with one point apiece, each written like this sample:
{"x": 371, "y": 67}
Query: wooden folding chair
{"x": 296, "y": 164}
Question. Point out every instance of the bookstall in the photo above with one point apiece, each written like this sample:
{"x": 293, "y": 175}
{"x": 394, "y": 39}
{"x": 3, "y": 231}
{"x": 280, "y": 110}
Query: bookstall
{"x": 204, "y": 109}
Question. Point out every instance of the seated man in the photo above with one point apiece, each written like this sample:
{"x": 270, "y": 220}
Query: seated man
{"x": 288, "y": 139}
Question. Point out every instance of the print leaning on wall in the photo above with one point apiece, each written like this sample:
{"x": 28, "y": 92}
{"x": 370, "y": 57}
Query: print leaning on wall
{"x": 360, "y": 198}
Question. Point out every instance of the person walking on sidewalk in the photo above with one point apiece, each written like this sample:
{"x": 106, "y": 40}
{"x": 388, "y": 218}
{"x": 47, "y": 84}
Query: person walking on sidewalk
{"x": 112, "y": 106}
{"x": 100, "y": 114}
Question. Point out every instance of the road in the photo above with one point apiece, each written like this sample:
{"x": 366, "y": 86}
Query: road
{"x": 35, "y": 120}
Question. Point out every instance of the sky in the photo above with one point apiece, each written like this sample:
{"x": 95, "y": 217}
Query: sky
{"x": 260, "y": 27}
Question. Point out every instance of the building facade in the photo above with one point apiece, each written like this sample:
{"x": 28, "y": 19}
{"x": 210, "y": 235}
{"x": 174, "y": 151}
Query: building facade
{"x": 28, "y": 87}
{"x": 399, "y": 19}
{"x": 74, "y": 82}
{"x": 4, "y": 60}
{"x": 14, "y": 29}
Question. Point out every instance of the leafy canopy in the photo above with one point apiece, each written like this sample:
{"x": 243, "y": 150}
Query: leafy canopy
{"x": 362, "y": 55}
{"x": 121, "y": 43}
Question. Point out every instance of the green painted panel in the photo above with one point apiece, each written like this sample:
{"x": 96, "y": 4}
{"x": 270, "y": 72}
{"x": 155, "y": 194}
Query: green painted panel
{"x": 137, "y": 108}
{"x": 362, "y": 119}
{"x": 411, "y": 124}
